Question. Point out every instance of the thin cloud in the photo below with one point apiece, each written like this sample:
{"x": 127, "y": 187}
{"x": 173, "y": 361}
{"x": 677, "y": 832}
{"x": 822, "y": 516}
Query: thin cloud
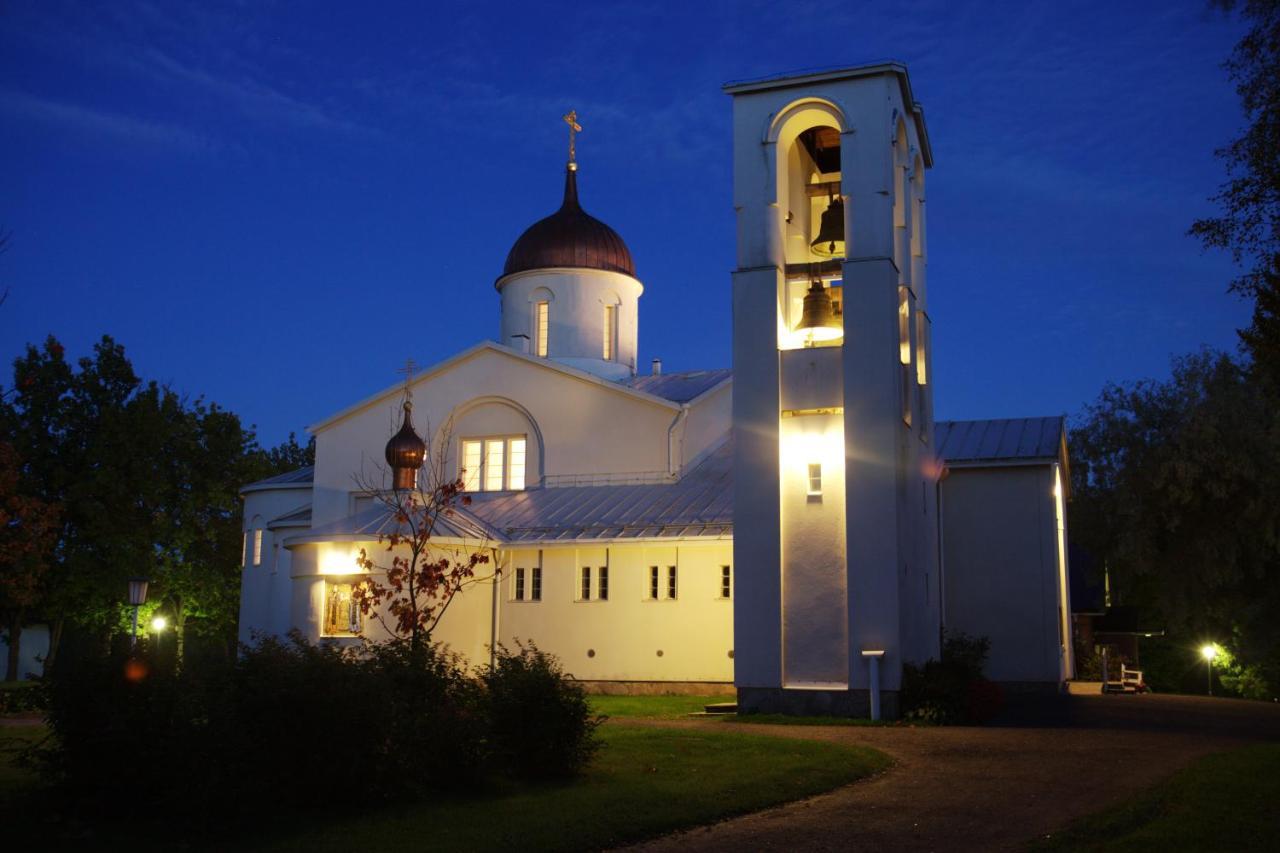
{"x": 127, "y": 129}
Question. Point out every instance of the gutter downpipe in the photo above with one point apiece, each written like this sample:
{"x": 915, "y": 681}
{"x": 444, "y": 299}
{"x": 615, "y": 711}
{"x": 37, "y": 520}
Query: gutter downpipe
{"x": 494, "y": 612}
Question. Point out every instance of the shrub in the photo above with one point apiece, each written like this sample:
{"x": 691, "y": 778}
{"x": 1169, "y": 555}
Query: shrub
{"x": 951, "y": 691}
{"x": 540, "y": 723}
{"x": 22, "y": 697}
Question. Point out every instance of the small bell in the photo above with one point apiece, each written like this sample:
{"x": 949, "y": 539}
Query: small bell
{"x": 818, "y": 317}
{"x": 830, "y": 240}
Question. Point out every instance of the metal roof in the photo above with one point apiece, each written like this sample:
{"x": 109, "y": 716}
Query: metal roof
{"x": 292, "y": 479}
{"x": 379, "y": 521}
{"x": 1004, "y": 440}
{"x": 680, "y": 387}
{"x": 698, "y": 506}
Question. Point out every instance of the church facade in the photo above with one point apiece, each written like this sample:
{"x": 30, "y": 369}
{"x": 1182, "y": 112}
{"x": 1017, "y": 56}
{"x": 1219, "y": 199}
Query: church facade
{"x": 784, "y": 529}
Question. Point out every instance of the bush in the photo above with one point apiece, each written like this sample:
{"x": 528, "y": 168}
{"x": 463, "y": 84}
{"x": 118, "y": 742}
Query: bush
{"x": 951, "y": 691}
{"x": 22, "y": 697}
{"x": 246, "y": 739}
{"x": 539, "y": 719}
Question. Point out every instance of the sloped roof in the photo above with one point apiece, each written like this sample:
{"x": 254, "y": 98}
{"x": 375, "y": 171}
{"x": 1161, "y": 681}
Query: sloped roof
{"x": 680, "y": 387}
{"x": 378, "y": 520}
{"x": 1001, "y": 441}
{"x": 299, "y": 478}
{"x": 699, "y": 505}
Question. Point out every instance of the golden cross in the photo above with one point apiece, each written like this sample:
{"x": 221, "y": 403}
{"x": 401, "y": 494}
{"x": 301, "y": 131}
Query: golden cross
{"x": 571, "y": 119}
{"x": 410, "y": 367}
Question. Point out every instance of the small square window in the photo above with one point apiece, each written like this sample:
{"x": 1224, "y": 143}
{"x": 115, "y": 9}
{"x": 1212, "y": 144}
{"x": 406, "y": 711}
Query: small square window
{"x": 815, "y": 479}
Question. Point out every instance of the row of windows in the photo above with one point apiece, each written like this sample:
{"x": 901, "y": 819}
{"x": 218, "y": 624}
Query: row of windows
{"x": 542, "y": 331}
{"x": 593, "y": 583}
{"x": 493, "y": 464}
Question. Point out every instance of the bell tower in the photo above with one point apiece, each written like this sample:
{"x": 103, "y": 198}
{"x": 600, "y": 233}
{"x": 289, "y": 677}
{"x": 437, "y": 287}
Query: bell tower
{"x": 835, "y": 476}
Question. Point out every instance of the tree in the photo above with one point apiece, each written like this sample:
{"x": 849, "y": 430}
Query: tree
{"x": 28, "y": 528}
{"x": 1174, "y": 488}
{"x": 1249, "y": 224}
{"x": 422, "y": 577}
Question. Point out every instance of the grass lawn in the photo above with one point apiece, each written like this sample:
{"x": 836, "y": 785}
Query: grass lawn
{"x": 787, "y": 720}
{"x": 14, "y": 739}
{"x": 1226, "y": 801}
{"x": 645, "y": 782}
{"x": 653, "y": 707}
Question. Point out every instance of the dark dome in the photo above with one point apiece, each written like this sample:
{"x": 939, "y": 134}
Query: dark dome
{"x": 570, "y": 238}
{"x": 405, "y": 451}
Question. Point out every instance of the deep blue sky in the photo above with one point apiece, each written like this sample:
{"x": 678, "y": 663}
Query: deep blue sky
{"x": 274, "y": 204}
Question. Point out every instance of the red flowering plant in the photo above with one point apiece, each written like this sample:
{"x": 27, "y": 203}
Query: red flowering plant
{"x": 416, "y": 578}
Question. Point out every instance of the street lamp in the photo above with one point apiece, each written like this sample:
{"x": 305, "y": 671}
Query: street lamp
{"x": 1209, "y": 652}
{"x": 137, "y": 598}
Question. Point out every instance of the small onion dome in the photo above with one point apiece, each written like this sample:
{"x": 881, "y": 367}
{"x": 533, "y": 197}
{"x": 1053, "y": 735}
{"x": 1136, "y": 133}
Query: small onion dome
{"x": 570, "y": 238}
{"x": 405, "y": 452}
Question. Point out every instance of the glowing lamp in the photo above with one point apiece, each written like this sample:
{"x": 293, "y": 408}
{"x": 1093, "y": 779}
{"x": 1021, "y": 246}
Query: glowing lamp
{"x": 818, "y": 318}
{"x": 1209, "y": 652}
{"x": 159, "y": 623}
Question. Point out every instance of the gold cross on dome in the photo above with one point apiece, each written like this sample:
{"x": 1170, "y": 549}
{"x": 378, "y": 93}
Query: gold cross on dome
{"x": 410, "y": 368}
{"x": 571, "y": 119}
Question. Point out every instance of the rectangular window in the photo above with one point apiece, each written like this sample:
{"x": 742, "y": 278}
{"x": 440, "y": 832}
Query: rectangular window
{"x": 542, "y": 327}
{"x": 257, "y": 547}
{"x": 908, "y": 388}
{"x": 726, "y": 582}
{"x": 519, "y": 584}
{"x": 671, "y": 581}
{"x": 610, "y": 316}
{"x": 341, "y": 612}
{"x": 653, "y": 582}
{"x": 922, "y": 331}
{"x": 815, "y": 479}
{"x": 535, "y": 592}
{"x": 602, "y": 586}
{"x": 586, "y": 584}
{"x": 494, "y": 464}
{"x": 471, "y": 456}
{"x": 904, "y": 326}
{"x": 244, "y": 549}
{"x": 515, "y": 476}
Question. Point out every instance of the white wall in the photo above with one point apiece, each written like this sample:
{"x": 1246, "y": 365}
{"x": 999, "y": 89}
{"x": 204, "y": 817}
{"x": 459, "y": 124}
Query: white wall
{"x": 265, "y": 589}
{"x": 33, "y": 646}
{"x": 1001, "y": 569}
{"x": 576, "y": 315}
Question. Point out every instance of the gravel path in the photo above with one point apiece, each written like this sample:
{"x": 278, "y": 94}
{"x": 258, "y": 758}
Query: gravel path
{"x": 991, "y": 788}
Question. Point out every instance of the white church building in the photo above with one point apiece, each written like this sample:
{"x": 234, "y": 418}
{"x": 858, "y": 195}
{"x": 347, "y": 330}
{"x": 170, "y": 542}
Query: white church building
{"x": 797, "y": 528}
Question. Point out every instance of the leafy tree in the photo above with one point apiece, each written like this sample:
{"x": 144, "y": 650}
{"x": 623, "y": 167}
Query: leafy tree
{"x": 1174, "y": 487}
{"x": 1249, "y": 223}
{"x": 28, "y": 527}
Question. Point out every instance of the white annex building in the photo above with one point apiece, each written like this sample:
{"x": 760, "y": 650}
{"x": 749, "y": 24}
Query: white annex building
{"x": 797, "y": 528}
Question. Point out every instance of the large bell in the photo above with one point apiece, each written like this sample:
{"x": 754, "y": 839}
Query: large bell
{"x": 818, "y": 318}
{"x": 830, "y": 240}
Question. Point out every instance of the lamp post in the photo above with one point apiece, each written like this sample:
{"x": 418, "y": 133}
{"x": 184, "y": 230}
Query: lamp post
{"x": 137, "y": 598}
{"x": 1209, "y": 652}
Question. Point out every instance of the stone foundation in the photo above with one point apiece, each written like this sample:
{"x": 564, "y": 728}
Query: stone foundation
{"x": 815, "y": 703}
{"x": 658, "y": 688}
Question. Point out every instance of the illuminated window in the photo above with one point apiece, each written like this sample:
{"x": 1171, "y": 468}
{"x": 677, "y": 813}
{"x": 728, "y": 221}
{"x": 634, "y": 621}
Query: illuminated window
{"x": 653, "y": 582}
{"x": 726, "y": 582}
{"x": 671, "y": 581}
{"x": 610, "y": 316}
{"x": 494, "y": 464}
{"x": 602, "y": 587}
{"x": 586, "y": 584}
{"x": 341, "y": 612}
{"x": 519, "y": 585}
{"x": 535, "y": 591}
{"x": 922, "y": 334}
{"x": 908, "y": 388}
{"x": 257, "y": 547}
{"x": 244, "y": 549}
{"x": 815, "y": 478}
{"x": 541, "y": 327}
{"x": 904, "y": 325}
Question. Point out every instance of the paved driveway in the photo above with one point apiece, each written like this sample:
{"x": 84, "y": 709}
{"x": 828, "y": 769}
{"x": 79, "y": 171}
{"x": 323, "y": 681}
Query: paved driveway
{"x": 992, "y": 788}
